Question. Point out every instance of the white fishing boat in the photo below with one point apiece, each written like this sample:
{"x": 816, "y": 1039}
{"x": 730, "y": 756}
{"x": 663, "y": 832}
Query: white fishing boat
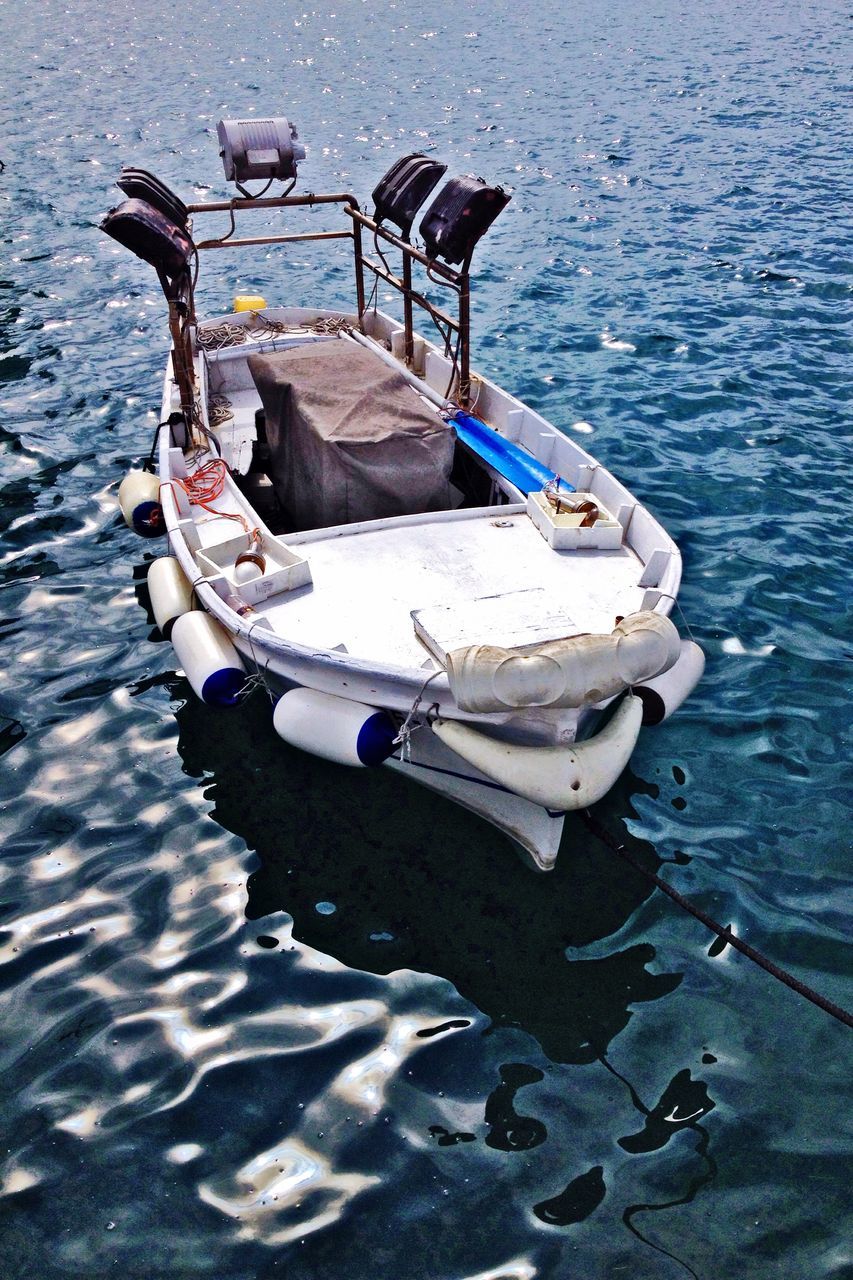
{"x": 422, "y": 571}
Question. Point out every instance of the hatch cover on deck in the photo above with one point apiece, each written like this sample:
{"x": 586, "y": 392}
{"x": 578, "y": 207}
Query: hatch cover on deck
{"x": 513, "y": 620}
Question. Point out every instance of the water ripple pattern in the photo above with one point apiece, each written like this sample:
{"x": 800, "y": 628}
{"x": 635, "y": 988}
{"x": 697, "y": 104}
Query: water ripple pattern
{"x": 262, "y": 1016}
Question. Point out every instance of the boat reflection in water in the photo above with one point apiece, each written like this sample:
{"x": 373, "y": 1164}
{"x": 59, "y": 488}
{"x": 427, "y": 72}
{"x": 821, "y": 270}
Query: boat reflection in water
{"x": 418, "y": 884}
{"x": 384, "y": 877}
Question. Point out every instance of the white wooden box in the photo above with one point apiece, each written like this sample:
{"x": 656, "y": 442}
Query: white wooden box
{"x": 285, "y": 570}
{"x": 562, "y": 532}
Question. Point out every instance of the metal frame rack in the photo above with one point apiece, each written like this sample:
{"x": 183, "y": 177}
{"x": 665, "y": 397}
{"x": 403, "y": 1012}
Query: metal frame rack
{"x": 458, "y": 281}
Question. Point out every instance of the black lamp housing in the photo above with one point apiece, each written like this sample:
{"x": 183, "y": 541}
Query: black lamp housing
{"x": 139, "y": 184}
{"x": 152, "y": 236}
{"x": 461, "y": 213}
{"x": 253, "y": 149}
{"x": 405, "y": 186}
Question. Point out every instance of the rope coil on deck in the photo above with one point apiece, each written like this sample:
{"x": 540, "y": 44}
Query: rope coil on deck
{"x": 227, "y": 334}
{"x": 205, "y": 485}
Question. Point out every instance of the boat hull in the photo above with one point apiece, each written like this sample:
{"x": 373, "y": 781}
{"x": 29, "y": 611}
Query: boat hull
{"x": 535, "y": 831}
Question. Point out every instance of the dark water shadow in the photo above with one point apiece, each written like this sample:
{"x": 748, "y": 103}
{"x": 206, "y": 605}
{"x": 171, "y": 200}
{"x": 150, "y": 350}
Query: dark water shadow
{"x": 509, "y": 1131}
{"x": 408, "y": 880}
{"x": 576, "y": 1202}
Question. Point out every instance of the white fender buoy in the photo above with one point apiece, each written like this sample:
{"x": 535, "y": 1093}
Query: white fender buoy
{"x": 170, "y": 591}
{"x": 139, "y": 499}
{"x": 563, "y": 673}
{"x": 334, "y": 728}
{"x": 212, "y": 665}
{"x": 665, "y": 694}
{"x": 554, "y": 777}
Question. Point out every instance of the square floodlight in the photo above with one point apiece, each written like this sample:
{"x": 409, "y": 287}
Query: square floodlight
{"x": 139, "y": 184}
{"x": 461, "y": 213}
{"x": 406, "y": 185}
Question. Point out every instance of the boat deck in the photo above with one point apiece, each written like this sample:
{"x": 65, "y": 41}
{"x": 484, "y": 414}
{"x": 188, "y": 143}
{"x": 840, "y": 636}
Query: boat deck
{"x": 483, "y": 576}
{"x": 402, "y": 592}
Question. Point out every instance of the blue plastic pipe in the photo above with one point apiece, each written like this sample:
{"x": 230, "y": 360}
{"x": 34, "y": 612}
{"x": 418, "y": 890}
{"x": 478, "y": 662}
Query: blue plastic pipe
{"x": 509, "y": 460}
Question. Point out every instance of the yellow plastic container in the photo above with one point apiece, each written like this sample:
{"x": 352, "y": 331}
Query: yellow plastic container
{"x": 249, "y": 302}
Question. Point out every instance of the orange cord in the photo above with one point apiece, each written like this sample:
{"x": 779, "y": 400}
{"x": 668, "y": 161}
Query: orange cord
{"x": 205, "y": 485}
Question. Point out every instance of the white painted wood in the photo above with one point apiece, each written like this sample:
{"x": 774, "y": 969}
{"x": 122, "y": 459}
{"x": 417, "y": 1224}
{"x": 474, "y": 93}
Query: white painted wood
{"x": 562, "y": 530}
{"x": 436, "y": 767}
{"x": 584, "y": 476}
{"x": 514, "y": 424}
{"x": 368, "y": 583}
{"x": 284, "y": 570}
{"x": 655, "y": 567}
{"x": 624, "y": 513}
{"x": 545, "y": 451}
{"x": 512, "y": 620}
{"x": 186, "y": 531}
{"x": 178, "y": 467}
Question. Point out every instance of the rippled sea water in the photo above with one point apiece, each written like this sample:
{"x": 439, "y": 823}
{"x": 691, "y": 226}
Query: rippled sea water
{"x": 264, "y": 1016}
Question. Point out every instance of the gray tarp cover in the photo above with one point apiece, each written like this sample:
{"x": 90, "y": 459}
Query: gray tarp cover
{"x": 349, "y": 438}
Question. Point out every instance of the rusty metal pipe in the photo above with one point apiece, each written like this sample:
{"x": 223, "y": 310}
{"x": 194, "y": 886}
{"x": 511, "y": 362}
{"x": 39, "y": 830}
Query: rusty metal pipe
{"x": 391, "y": 279}
{"x": 285, "y": 239}
{"x": 274, "y": 202}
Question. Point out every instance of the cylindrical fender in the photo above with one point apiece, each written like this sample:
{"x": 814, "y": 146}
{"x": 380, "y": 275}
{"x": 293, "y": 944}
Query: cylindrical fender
{"x": 554, "y": 777}
{"x": 139, "y": 499}
{"x": 665, "y": 694}
{"x": 334, "y": 728}
{"x": 212, "y": 665}
{"x": 572, "y": 672}
{"x": 170, "y": 591}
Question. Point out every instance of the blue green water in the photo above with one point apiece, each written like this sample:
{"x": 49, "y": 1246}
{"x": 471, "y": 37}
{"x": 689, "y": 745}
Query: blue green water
{"x": 264, "y": 1016}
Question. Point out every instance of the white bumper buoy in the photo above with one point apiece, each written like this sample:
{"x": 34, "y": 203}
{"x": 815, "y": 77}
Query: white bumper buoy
{"x": 139, "y": 499}
{"x": 334, "y": 728}
{"x": 171, "y": 593}
{"x": 555, "y": 777}
{"x": 563, "y": 673}
{"x": 665, "y": 694}
{"x": 212, "y": 665}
